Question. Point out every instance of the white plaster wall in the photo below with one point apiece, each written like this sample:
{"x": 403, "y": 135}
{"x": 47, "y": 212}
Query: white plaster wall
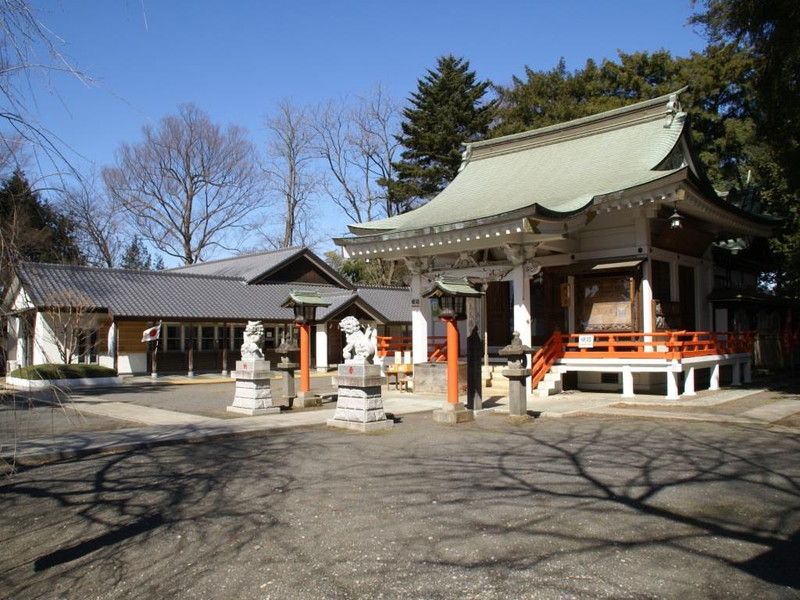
{"x": 321, "y": 334}
{"x": 131, "y": 364}
{"x": 608, "y": 231}
{"x": 45, "y": 350}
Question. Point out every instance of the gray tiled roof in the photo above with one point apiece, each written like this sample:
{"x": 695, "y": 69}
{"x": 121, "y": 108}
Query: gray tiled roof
{"x": 129, "y": 294}
{"x": 394, "y": 303}
{"x": 258, "y": 265}
{"x": 245, "y": 266}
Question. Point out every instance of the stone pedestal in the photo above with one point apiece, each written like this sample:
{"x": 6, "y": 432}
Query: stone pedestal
{"x": 306, "y": 399}
{"x": 287, "y": 383}
{"x": 253, "y": 395}
{"x": 517, "y": 398}
{"x": 453, "y": 413}
{"x": 360, "y": 404}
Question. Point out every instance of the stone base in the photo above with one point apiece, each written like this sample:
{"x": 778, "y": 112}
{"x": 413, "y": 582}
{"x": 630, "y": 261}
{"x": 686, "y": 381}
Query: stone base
{"x": 252, "y": 393}
{"x": 452, "y": 414}
{"x": 253, "y": 412}
{"x": 306, "y": 399}
{"x": 359, "y": 403}
{"x": 362, "y": 427}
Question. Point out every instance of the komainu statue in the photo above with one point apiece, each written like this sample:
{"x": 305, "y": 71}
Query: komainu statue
{"x": 253, "y": 338}
{"x": 361, "y": 344}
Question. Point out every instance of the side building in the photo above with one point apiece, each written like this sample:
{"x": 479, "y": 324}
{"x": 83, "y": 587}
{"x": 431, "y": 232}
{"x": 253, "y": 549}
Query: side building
{"x": 57, "y": 313}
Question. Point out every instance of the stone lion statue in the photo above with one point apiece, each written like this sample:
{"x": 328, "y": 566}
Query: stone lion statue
{"x": 253, "y": 337}
{"x": 361, "y": 345}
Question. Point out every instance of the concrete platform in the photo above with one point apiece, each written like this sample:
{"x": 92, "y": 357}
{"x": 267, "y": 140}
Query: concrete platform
{"x": 134, "y": 403}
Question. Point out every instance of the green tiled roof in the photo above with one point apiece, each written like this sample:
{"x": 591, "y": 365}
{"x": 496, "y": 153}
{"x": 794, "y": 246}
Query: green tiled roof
{"x": 556, "y": 170}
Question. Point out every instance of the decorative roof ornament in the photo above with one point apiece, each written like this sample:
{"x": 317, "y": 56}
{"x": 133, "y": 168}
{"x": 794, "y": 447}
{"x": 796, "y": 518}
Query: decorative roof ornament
{"x": 466, "y": 155}
{"x": 673, "y": 108}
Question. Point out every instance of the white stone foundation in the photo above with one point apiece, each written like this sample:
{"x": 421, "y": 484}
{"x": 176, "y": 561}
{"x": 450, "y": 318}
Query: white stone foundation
{"x": 253, "y": 395}
{"x": 359, "y": 405}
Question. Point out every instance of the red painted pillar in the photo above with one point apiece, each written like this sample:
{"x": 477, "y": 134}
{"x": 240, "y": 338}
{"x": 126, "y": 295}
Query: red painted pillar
{"x": 305, "y": 357}
{"x": 452, "y": 361}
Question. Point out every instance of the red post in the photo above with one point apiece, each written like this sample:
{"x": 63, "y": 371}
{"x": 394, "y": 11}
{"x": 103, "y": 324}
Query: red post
{"x": 452, "y": 361}
{"x": 305, "y": 357}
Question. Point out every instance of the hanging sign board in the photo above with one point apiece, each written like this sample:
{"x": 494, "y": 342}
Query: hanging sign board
{"x": 586, "y": 340}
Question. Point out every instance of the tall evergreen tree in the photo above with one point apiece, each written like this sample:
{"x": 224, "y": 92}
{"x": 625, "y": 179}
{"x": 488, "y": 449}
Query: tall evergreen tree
{"x": 137, "y": 256}
{"x": 720, "y": 101}
{"x": 769, "y": 33}
{"x": 545, "y": 98}
{"x": 31, "y": 230}
{"x": 446, "y": 110}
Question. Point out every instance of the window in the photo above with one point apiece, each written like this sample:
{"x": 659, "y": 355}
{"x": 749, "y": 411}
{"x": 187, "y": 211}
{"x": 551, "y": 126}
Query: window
{"x": 87, "y": 346}
{"x": 174, "y": 338}
{"x": 208, "y": 337}
{"x": 238, "y": 337}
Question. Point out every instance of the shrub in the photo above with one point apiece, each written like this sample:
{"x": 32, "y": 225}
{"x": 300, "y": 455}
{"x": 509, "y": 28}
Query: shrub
{"x": 80, "y": 371}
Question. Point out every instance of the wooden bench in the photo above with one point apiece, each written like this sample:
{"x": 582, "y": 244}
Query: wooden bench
{"x": 402, "y": 374}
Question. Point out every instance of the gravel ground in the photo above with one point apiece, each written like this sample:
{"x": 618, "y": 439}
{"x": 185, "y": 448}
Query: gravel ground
{"x": 26, "y": 415}
{"x": 569, "y": 508}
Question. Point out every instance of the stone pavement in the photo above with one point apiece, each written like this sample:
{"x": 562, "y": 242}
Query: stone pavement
{"x": 159, "y": 425}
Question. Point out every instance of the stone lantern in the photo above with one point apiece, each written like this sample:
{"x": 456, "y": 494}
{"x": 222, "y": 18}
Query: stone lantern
{"x": 288, "y": 366}
{"x": 517, "y": 372}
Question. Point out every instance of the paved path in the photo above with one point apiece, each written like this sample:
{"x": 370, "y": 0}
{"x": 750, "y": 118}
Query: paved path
{"x": 160, "y": 426}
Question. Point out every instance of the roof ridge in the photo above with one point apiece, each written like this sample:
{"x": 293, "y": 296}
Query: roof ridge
{"x": 239, "y": 257}
{"x": 382, "y": 287}
{"x": 161, "y": 273}
{"x": 560, "y": 128}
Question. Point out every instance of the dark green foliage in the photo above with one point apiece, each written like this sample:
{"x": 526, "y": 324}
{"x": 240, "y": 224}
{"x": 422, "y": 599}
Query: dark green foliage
{"x": 722, "y": 103}
{"x": 137, "y": 256}
{"x": 768, "y": 32}
{"x": 446, "y": 110}
{"x": 31, "y": 230}
{"x": 77, "y": 371}
{"x": 374, "y": 272}
{"x": 545, "y": 98}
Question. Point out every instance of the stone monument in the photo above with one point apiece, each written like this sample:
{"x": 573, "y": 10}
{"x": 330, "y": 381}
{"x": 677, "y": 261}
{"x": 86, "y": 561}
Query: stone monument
{"x": 359, "y": 403}
{"x": 253, "y": 395}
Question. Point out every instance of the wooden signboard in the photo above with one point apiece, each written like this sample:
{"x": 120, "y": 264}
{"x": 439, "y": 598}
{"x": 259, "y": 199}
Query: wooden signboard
{"x": 606, "y": 303}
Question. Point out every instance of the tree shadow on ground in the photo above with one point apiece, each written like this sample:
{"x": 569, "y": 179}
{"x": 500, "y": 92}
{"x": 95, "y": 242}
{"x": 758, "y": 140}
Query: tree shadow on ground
{"x": 580, "y": 507}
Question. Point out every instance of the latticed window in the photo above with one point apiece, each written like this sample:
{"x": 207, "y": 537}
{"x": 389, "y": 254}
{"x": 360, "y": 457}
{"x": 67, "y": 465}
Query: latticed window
{"x": 174, "y": 338}
{"x": 208, "y": 337}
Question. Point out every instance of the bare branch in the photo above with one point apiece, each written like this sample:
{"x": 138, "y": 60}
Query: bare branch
{"x": 190, "y": 186}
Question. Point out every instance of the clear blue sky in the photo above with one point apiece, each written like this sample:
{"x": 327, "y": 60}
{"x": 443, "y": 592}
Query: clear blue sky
{"x": 235, "y": 59}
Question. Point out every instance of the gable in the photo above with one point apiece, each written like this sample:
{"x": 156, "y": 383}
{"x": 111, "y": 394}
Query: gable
{"x": 299, "y": 270}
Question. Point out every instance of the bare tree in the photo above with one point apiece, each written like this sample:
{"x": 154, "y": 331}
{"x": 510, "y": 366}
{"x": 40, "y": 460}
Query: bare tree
{"x": 290, "y": 171}
{"x": 190, "y": 186}
{"x": 100, "y": 232}
{"x": 70, "y": 317}
{"x": 358, "y": 143}
{"x": 29, "y": 54}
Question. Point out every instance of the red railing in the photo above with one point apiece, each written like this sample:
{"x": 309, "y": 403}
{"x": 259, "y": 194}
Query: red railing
{"x": 665, "y": 345}
{"x": 437, "y": 346}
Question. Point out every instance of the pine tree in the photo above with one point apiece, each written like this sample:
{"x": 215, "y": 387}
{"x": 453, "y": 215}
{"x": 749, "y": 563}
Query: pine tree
{"x": 446, "y": 110}
{"x": 31, "y": 230}
{"x": 137, "y": 256}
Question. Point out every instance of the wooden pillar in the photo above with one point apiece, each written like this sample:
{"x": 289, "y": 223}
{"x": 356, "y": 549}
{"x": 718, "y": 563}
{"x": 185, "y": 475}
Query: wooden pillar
{"x": 452, "y": 361}
{"x": 225, "y": 344}
{"x": 305, "y": 357}
{"x": 191, "y": 351}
